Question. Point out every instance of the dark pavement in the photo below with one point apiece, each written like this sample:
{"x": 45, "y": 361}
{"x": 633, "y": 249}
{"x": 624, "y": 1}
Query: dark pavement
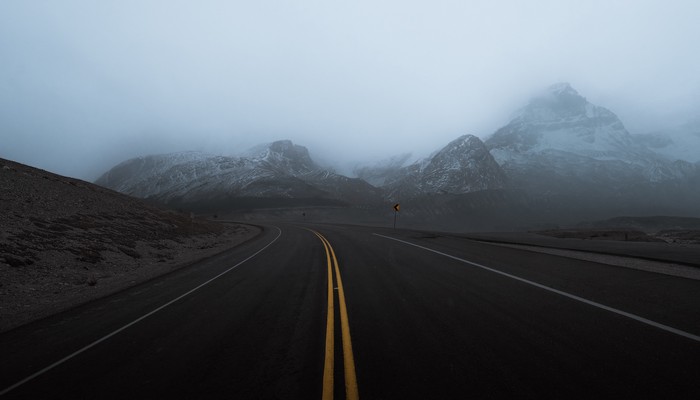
{"x": 423, "y": 326}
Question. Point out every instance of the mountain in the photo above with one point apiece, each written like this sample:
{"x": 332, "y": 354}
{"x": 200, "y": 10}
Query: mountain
{"x": 561, "y": 126}
{"x": 560, "y": 159}
{"x": 568, "y": 155}
{"x": 284, "y": 157}
{"x": 272, "y": 174}
{"x": 562, "y": 120}
{"x": 282, "y": 174}
{"x": 462, "y": 166}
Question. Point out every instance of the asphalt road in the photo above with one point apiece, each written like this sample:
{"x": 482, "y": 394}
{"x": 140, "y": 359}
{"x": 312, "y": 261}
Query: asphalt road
{"x": 413, "y": 316}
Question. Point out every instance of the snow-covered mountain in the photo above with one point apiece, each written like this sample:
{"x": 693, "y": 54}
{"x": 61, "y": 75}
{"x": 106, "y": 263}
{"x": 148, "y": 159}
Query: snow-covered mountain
{"x": 568, "y": 159}
{"x": 560, "y": 119}
{"x": 462, "y": 166}
{"x": 277, "y": 170}
{"x": 560, "y": 158}
{"x": 284, "y": 170}
{"x": 150, "y": 175}
{"x": 284, "y": 156}
{"x": 560, "y": 132}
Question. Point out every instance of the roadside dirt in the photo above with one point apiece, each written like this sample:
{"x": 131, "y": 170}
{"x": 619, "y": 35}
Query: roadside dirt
{"x": 681, "y": 236}
{"x": 64, "y": 242}
{"x": 666, "y": 268}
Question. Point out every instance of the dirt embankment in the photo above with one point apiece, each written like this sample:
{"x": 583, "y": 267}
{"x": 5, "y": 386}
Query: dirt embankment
{"x": 660, "y": 228}
{"x": 64, "y": 241}
{"x": 679, "y": 236}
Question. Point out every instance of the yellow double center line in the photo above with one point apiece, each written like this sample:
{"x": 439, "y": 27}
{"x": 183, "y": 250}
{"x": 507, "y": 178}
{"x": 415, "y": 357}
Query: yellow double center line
{"x": 351, "y": 391}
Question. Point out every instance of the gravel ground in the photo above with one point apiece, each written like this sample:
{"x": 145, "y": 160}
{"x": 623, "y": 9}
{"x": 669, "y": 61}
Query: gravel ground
{"x": 666, "y": 268}
{"x": 64, "y": 242}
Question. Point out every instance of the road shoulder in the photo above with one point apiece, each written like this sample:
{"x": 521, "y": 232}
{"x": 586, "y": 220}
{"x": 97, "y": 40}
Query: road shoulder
{"x": 28, "y": 297}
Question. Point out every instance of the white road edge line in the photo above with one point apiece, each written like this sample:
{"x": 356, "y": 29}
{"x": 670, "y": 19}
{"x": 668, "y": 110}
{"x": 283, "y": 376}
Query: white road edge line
{"x": 559, "y": 292}
{"x": 98, "y": 341}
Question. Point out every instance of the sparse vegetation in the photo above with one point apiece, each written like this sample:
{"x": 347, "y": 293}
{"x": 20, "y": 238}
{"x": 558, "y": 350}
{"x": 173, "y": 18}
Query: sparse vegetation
{"x": 60, "y": 236}
{"x": 129, "y": 252}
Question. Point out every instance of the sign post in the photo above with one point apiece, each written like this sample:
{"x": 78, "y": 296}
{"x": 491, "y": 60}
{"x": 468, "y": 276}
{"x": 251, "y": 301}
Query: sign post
{"x": 397, "y": 208}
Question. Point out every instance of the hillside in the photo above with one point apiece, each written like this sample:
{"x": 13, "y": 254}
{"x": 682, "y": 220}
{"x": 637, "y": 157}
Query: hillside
{"x": 65, "y": 241}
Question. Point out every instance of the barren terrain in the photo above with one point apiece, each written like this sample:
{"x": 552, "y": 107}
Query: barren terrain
{"x": 64, "y": 241}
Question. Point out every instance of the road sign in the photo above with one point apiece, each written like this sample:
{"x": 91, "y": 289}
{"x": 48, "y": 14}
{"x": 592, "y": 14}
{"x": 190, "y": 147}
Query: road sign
{"x": 397, "y": 207}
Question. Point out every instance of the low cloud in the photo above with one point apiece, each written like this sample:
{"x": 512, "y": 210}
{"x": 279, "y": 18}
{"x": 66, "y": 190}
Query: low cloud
{"x": 84, "y": 85}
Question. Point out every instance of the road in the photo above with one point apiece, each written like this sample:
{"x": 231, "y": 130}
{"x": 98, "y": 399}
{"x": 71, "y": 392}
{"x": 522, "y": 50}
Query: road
{"x": 413, "y": 315}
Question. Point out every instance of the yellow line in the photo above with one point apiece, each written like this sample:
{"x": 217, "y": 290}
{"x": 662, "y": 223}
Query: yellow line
{"x": 328, "y": 363}
{"x": 351, "y": 390}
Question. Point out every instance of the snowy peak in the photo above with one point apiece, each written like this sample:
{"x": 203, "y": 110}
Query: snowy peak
{"x": 561, "y": 133}
{"x": 462, "y": 166}
{"x": 563, "y": 120}
{"x": 557, "y": 102}
{"x": 286, "y": 156}
{"x": 464, "y": 152}
{"x": 562, "y": 89}
{"x": 563, "y": 92}
{"x": 280, "y": 170}
{"x": 128, "y": 172}
{"x": 562, "y": 104}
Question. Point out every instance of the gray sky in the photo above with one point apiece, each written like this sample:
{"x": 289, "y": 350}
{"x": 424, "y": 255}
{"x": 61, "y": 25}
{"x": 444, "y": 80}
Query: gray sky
{"x": 86, "y": 84}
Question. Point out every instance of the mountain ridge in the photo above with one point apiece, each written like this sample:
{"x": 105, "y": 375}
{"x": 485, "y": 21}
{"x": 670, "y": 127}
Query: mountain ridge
{"x": 559, "y": 152}
{"x": 279, "y": 169}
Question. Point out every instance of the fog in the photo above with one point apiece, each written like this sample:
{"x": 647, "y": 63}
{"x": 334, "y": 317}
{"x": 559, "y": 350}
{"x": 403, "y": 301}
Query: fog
{"x": 85, "y": 84}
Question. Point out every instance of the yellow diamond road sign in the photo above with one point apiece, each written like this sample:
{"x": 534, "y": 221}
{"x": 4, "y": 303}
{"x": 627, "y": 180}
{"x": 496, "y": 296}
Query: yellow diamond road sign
{"x": 397, "y": 207}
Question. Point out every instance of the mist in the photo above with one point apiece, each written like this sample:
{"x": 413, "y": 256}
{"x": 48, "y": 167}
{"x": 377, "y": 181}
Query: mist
{"x": 85, "y": 85}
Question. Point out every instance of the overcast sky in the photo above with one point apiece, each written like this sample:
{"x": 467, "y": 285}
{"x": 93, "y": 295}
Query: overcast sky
{"x": 86, "y": 84}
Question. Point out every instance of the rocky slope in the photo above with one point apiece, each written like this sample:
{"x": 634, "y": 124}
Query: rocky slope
{"x": 279, "y": 170}
{"x": 65, "y": 241}
{"x": 559, "y": 158}
{"x": 562, "y": 160}
{"x": 561, "y": 119}
{"x": 463, "y": 166}
{"x": 571, "y": 156}
{"x": 561, "y": 124}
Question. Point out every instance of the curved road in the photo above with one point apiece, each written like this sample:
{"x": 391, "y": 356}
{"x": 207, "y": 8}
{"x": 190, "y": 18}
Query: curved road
{"x": 412, "y": 315}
